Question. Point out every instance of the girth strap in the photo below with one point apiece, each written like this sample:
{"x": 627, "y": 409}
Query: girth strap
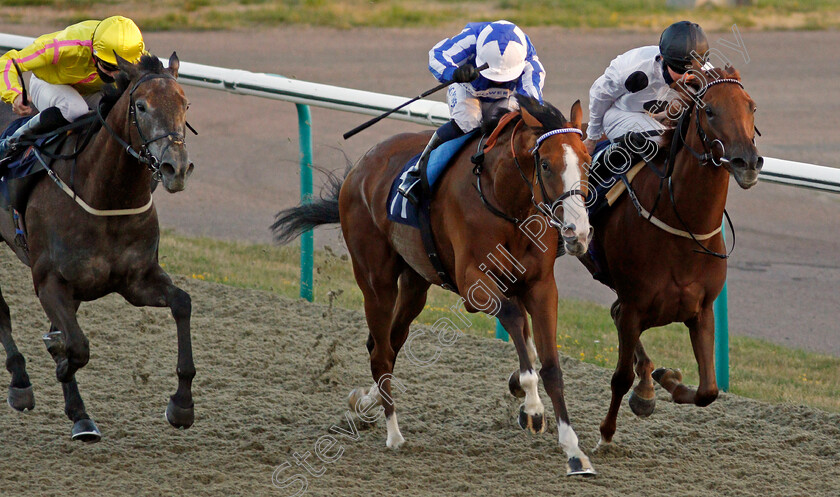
{"x": 428, "y": 237}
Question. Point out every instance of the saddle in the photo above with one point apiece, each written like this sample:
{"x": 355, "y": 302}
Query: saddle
{"x": 27, "y": 161}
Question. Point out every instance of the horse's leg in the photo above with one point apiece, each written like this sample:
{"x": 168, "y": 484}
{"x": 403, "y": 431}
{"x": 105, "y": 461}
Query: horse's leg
{"x": 532, "y": 412}
{"x": 376, "y": 267}
{"x": 702, "y": 332}
{"x": 57, "y": 300}
{"x": 410, "y": 303}
{"x": 513, "y": 380}
{"x": 642, "y": 399}
{"x": 21, "y": 397}
{"x": 411, "y": 299}
{"x": 629, "y": 329}
{"x": 155, "y": 289}
{"x": 541, "y": 304}
{"x": 84, "y": 429}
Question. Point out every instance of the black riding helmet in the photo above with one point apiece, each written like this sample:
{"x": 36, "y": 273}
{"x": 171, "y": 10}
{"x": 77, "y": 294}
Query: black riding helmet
{"x": 677, "y": 43}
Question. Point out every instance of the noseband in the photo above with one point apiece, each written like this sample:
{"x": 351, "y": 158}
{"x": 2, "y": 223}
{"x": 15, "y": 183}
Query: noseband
{"x": 144, "y": 156}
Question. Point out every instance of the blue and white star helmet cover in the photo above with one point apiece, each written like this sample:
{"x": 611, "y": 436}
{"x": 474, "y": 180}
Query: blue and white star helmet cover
{"x": 503, "y": 46}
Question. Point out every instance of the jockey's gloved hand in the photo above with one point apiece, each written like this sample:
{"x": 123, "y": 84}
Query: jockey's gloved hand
{"x": 465, "y": 74}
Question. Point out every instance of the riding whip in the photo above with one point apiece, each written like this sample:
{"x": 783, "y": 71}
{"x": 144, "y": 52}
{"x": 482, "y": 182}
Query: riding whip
{"x": 418, "y": 97}
{"x": 25, "y": 99}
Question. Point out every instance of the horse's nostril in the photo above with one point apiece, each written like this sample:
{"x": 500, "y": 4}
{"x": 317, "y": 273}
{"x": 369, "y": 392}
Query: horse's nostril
{"x": 759, "y": 163}
{"x": 190, "y": 169}
{"x": 167, "y": 169}
{"x": 738, "y": 162}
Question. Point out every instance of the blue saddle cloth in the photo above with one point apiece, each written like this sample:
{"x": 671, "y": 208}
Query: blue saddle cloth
{"x": 400, "y": 210}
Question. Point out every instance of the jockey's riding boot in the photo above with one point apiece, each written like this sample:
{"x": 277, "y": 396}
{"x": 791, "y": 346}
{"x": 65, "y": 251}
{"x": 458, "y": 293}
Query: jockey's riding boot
{"x": 411, "y": 184}
{"x": 43, "y": 122}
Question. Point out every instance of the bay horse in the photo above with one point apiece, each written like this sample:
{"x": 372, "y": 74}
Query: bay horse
{"x": 537, "y": 161}
{"x": 672, "y": 268}
{"x": 102, "y": 237}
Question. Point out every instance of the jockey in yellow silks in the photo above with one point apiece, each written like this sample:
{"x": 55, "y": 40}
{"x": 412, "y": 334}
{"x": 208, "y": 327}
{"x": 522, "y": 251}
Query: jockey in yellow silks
{"x": 69, "y": 68}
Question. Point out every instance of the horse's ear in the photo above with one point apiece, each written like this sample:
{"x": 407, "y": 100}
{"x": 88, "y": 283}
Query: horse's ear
{"x": 732, "y": 72}
{"x": 174, "y": 64}
{"x": 126, "y": 66}
{"x": 526, "y": 108}
{"x": 576, "y": 116}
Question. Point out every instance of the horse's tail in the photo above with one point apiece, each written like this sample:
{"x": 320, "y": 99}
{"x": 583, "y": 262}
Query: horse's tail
{"x": 292, "y": 222}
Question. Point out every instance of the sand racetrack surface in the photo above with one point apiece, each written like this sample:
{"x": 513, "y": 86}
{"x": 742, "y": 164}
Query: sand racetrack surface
{"x": 273, "y": 375}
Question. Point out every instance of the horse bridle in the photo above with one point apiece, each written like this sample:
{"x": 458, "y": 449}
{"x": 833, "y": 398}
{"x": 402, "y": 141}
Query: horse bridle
{"x": 568, "y": 193}
{"x": 708, "y": 155}
{"x": 540, "y": 206}
{"x": 144, "y": 156}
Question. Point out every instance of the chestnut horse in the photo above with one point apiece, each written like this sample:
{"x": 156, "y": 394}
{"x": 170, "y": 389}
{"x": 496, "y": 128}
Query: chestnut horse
{"x": 674, "y": 271}
{"x": 102, "y": 237}
{"x": 539, "y": 160}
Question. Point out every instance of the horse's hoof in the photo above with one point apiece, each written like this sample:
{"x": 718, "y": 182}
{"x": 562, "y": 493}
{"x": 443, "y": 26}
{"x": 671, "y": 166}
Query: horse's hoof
{"x": 54, "y": 341}
{"x": 659, "y": 373}
{"x": 86, "y": 431}
{"x": 179, "y": 417}
{"x": 641, "y": 407}
{"x": 514, "y": 386}
{"x": 394, "y": 443}
{"x": 579, "y": 466}
{"x": 354, "y": 396}
{"x": 21, "y": 399}
{"x": 533, "y": 423}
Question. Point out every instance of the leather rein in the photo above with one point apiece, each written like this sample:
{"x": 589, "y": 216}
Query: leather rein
{"x": 144, "y": 156}
{"x": 704, "y": 159}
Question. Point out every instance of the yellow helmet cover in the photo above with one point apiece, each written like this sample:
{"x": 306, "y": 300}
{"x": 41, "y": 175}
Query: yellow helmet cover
{"x": 118, "y": 34}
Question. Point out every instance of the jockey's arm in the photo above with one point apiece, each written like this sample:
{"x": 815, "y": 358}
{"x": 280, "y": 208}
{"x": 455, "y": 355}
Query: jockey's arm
{"x": 451, "y": 53}
{"x": 604, "y": 91}
{"x": 28, "y": 59}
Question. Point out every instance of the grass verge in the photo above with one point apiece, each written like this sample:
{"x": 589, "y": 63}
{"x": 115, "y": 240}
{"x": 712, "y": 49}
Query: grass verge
{"x": 759, "y": 369}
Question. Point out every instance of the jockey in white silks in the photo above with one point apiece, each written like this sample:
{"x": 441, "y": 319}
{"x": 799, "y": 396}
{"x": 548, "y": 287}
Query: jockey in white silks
{"x": 513, "y": 67}
{"x": 637, "y": 86}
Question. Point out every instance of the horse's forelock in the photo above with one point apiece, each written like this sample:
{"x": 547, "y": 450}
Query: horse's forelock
{"x": 549, "y": 116}
{"x": 148, "y": 64}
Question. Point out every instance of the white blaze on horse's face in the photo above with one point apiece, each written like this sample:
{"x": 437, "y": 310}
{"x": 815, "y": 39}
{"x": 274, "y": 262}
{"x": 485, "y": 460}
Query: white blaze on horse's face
{"x": 576, "y": 232}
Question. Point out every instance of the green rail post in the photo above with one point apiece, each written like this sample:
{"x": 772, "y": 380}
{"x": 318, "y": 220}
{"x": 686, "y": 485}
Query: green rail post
{"x": 721, "y": 307}
{"x": 306, "y": 240}
{"x": 501, "y": 334}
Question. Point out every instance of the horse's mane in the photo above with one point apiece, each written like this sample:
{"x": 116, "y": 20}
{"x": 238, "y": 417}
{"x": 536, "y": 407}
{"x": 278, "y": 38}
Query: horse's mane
{"x": 148, "y": 64}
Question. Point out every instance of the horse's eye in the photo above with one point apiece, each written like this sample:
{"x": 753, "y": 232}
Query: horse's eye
{"x": 545, "y": 165}
{"x": 709, "y": 111}
{"x": 141, "y": 106}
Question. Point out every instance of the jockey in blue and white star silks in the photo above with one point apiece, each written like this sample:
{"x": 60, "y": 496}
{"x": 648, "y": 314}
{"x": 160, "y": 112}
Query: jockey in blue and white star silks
{"x": 513, "y": 67}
